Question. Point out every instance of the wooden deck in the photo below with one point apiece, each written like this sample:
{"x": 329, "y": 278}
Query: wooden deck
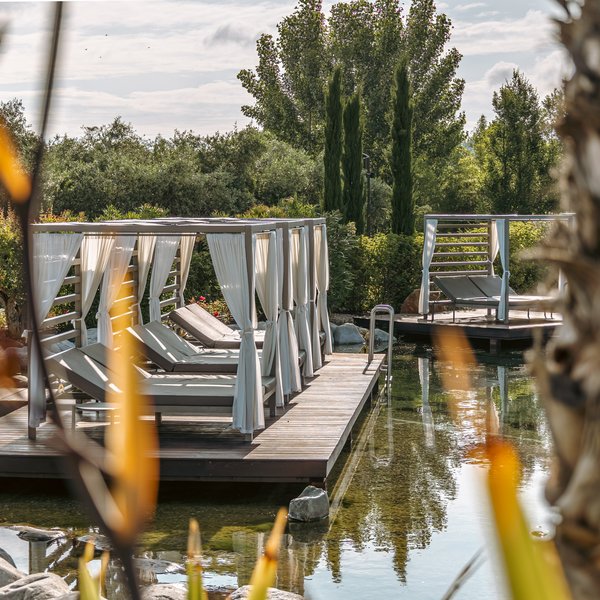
{"x": 302, "y": 444}
{"x": 476, "y": 327}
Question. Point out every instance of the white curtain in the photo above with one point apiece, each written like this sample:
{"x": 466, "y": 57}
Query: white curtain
{"x": 299, "y": 249}
{"x": 428, "y": 249}
{"x": 315, "y": 326}
{"x": 146, "y": 244}
{"x": 186, "y": 250}
{"x": 427, "y": 415}
{"x": 164, "y": 255}
{"x": 53, "y": 255}
{"x": 322, "y": 262}
{"x": 111, "y": 285}
{"x": 228, "y": 254}
{"x": 501, "y": 225}
{"x": 95, "y": 254}
{"x": 494, "y": 243}
{"x": 288, "y": 343}
{"x": 267, "y": 289}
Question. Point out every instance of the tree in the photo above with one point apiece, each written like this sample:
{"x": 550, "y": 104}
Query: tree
{"x": 516, "y": 156}
{"x": 354, "y": 197}
{"x": 403, "y": 213}
{"x": 332, "y": 189}
{"x": 366, "y": 39}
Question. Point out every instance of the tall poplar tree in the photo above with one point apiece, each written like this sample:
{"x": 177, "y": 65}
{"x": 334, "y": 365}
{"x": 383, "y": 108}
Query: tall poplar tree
{"x": 353, "y": 195}
{"x": 403, "y": 206}
{"x": 332, "y": 192}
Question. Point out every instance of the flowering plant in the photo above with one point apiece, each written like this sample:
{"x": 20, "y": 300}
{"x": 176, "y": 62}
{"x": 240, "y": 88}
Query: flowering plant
{"x": 217, "y": 307}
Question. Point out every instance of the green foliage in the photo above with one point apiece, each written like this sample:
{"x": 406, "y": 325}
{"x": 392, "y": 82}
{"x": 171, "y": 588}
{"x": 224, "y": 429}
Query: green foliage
{"x": 282, "y": 171}
{"x": 11, "y": 259}
{"x": 366, "y": 40}
{"x": 525, "y": 274}
{"x": 343, "y": 248}
{"x": 403, "y": 217}
{"x": 381, "y": 205}
{"x": 353, "y": 193}
{"x": 146, "y": 211}
{"x": 388, "y": 270}
{"x": 332, "y": 191}
{"x": 515, "y": 152}
{"x": 289, "y": 208}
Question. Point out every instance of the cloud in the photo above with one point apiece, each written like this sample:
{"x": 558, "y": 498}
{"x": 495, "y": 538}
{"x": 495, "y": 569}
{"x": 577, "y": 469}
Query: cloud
{"x": 525, "y": 34}
{"x": 499, "y": 73}
{"x": 471, "y": 6}
{"x": 231, "y": 34}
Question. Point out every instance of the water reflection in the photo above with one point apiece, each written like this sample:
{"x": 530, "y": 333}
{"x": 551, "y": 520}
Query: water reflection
{"x": 409, "y": 520}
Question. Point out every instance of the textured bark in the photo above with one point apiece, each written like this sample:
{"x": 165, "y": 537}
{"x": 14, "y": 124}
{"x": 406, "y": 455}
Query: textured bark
{"x": 569, "y": 376}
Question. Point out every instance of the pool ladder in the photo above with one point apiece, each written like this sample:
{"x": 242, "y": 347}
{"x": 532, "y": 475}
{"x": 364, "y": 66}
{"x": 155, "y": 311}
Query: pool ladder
{"x": 382, "y": 309}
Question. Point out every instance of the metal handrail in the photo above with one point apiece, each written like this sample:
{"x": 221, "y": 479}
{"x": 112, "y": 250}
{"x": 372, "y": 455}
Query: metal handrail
{"x": 382, "y": 308}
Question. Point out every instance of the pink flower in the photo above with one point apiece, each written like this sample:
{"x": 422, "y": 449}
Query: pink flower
{"x": 201, "y": 298}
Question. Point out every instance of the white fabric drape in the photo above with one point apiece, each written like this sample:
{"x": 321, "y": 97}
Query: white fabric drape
{"x": 111, "y": 285}
{"x": 267, "y": 289}
{"x": 164, "y": 255}
{"x": 95, "y": 254}
{"x": 427, "y": 415}
{"x": 501, "y": 225}
{"x": 53, "y": 255}
{"x": 502, "y": 388}
{"x": 299, "y": 249}
{"x": 315, "y": 325}
{"x": 146, "y": 244}
{"x": 186, "y": 250}
{"x": 228, "y": 254}
{"x": 428, "y": 249}
{"x": 322, "y": 264}
{"x": 288, "y": 343}
{"x": 494, "y": 243}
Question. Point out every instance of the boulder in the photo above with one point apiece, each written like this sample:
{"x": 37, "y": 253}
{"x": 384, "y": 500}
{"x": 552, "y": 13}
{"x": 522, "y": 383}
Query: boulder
{"x": 410, "y": 306}
{"x": 39, "y": 586}
{"x": 165, "y": 591}
{"x": 333, "y": 327}
{"x": 7, "y": 557}
{"x": 348, "y": 333}
{"x": 311, "y": 505}
{"x": 8, "y": 572}
{"x": 381, "y": 338}
{"x": 272, "y": 594}
{"x": 363, "y": 331}
{"x": 35, "y": 534}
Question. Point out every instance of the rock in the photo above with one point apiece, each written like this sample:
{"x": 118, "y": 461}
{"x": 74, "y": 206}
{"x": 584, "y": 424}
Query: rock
{"x": 4, "y": 555}
{"x": 39, "y": 586}
{"x": 311, "y": 505}
{"x": 101, "y": 544}
{"x": 8, "y": 572}
{"x": 363, "y": 331}
{"x": 165, "y": 591}
{"x": 20, "y": 381}
{"x": 158, "y": 566}
{"x": 410, "y": 306}
{"x": 34, "y": 534}
{"x": 333, "y": 327}
{"x": 382, "y": 338}
{"x": 272, "y": 594}
{"x": 348, "y": 333}
{"x": 340, "y": 319}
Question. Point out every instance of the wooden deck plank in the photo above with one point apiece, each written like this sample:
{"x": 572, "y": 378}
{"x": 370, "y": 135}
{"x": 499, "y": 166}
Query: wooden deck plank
{"x": 302, "y": 444}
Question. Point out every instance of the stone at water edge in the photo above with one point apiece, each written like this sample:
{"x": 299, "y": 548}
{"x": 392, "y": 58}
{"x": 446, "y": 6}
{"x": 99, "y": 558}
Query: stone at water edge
{"x": 39, "y": 586}
{"x": 8, "y": 573}
{"x": 36, "y": 534}
{"x": 165, "y": 591}
{"x": 7, "y": 557}
{"x": 272, "y": 594}
{"x": 381, "y": 337}
{"x": 311, "y": 505}
{"x": 348, "y": 333}
{"x": 101, "y": 544}
{"x": 410, "y": 306}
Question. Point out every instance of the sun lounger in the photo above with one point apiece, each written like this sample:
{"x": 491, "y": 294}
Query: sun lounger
{"x": 195, "y": 320}
{"x": 170, "y": 352}
{"x": 481, "y": 291}
{"x": 166, "y": 393}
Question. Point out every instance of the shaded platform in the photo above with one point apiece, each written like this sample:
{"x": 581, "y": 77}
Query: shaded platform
{"x": 475, "y": 326}
{"x": 302, "y": 444}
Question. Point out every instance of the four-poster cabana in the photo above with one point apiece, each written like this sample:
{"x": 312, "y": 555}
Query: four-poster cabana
{"x": 245, "y": 255}
{"x": 468, "y": 246}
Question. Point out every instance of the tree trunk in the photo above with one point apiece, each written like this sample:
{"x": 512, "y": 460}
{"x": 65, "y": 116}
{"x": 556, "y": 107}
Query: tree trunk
{"x": 15, "y": 318}
{"x": 569, "y": 376}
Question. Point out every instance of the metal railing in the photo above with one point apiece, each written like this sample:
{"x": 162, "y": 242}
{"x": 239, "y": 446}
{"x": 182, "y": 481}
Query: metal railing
{"x": 386, "y": 309}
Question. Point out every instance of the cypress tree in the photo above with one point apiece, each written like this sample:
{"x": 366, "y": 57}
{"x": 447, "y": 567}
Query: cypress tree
{"x": 403, "y": 208}
{"x": 353, "y": 195}
{"x": 332, "y": 185}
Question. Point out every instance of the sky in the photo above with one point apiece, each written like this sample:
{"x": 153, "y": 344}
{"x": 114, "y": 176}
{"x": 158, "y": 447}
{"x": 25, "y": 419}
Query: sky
{"x": 165, "y": 65}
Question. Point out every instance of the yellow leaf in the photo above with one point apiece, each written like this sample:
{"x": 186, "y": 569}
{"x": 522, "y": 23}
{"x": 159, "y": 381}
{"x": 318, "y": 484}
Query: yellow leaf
{"x": 531, "y": 567}
{"x": 132, "y": 445}
{"x": 88, "y": 588}
{"x": 12, "y": 174}
{"x": 263, "y": 576}
{"x": 194, "y": 564}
